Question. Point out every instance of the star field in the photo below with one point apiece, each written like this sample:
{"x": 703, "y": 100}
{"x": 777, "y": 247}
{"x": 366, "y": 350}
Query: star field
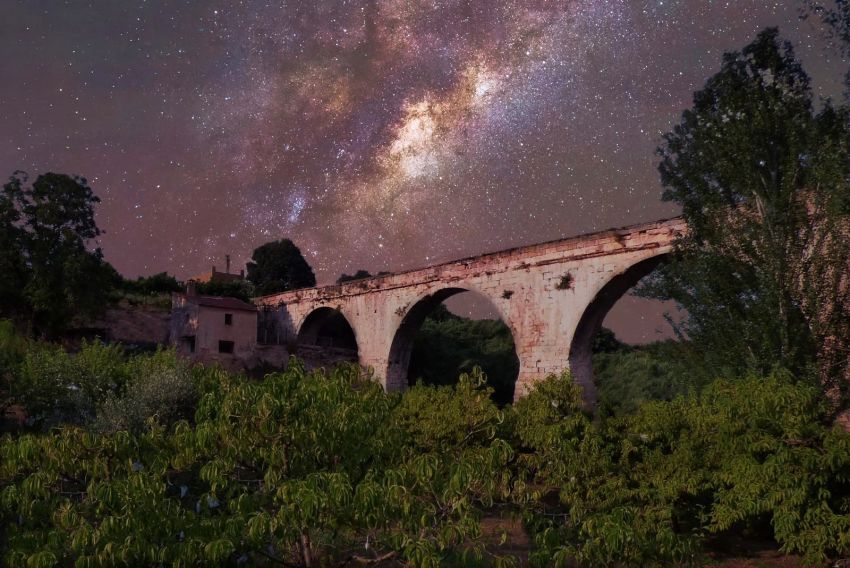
{"x": 377, "y": 134}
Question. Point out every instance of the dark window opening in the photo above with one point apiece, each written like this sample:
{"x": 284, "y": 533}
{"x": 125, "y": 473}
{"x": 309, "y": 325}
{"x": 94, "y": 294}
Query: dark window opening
{"x": 228, "y": 319}
{"x": 225, "y": 347}
{"x": 189, "y": 343}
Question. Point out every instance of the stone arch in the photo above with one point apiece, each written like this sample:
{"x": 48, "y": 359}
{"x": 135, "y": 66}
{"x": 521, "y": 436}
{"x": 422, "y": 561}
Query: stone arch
{"x": 412, "y": 320}
{"x": 326, "y": 330}
{"x": 580, "y": 354}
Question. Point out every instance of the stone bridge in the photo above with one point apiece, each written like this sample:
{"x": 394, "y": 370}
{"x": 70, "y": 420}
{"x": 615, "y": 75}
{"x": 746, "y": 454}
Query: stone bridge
{"x": 553, "y": 296}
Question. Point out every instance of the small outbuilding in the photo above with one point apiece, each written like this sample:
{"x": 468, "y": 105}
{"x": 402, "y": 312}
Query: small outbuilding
{"x": 213, "y": 328}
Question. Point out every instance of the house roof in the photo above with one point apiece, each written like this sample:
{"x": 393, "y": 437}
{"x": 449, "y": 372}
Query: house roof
{"x": 222, "y": 303}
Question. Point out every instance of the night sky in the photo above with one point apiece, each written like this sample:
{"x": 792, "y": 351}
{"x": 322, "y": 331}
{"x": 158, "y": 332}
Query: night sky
{"x": 376, "y": 134}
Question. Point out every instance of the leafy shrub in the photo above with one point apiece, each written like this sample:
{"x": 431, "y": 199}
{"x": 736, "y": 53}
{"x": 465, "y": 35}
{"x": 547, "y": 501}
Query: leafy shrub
{"x": 326, "y": 468}
{"x": 649, "y": 487}
{"x": 100, "y": 387}
{"x": 57, "y": 387}
{"x": 759, "y": 449}
{"x": 160, "y": 283}
{"x": 299, "y": 468}
{"x": 13, "y": 350}
{"x": 449, "y": 418}
{"x": 242, "y": 289}
{"x": 159, "y": 385}
{"x": 627, "y": 377}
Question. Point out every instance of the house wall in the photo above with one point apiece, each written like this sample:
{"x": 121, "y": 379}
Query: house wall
{"x": 211, "y": 329}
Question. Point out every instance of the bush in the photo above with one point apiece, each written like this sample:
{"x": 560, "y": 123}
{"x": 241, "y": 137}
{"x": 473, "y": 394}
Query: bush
{"x": 299, "y": 468}
{"x": 242, "y": 289}
{"x": 57, "y": 387}
{"x": 628, "y": 377}
{"x": 160, "y": 385}
{"x": 102, "y": 388}
{"x": 325, "y": 467}
{"x": 448, "y": 345}
{"x": 160, "y": 283}
{"x": 13, "y": 351}
{"x": 449, "y": 418}
{"x": 650, "y": 487}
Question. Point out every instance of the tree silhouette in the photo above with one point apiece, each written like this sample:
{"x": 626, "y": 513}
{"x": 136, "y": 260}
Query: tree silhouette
{"x": 279, "y": 266}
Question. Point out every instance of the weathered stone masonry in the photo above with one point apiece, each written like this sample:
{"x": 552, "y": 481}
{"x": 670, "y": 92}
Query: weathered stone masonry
{"x": 553, "y": 296}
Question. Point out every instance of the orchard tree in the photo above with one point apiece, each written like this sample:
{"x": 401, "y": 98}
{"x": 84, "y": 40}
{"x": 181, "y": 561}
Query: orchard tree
{"x": 762, "y": 179}
{"x": 279, "y": 266}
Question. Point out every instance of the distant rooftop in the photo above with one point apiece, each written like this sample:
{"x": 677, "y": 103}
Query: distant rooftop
{"x": 216, "y": 276}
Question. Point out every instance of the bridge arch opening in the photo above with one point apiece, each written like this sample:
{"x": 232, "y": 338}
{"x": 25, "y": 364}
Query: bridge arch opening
{"x": 590, "y": 338}
{"x": 326, "y": 337}
{"x": 435, "y": 344}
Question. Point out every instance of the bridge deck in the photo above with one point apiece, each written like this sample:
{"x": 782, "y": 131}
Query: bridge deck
{"x": 597, "y": 243}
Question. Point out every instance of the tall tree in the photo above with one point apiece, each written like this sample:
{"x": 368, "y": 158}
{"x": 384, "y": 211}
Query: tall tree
{"x": 279, "y": 266}
{"x": 13, "y": 266}
{"x": 835, "y": 14}
{"x": 763, "y": 184}
{"x": 49, "y": 226}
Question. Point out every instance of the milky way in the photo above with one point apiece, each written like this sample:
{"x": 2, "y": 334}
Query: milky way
{"x": 377, "y": 134}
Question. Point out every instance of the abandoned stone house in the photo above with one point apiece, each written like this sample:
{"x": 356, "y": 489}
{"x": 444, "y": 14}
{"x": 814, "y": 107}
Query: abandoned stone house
{"x": 211, "y": 328}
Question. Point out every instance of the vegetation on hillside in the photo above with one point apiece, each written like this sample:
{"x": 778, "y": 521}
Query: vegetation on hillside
{"x": 179, "y": 466}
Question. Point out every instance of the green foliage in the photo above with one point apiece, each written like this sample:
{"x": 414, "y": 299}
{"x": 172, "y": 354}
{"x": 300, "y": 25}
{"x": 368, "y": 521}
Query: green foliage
{"x": 100, "y": 387}
{"x": 14, "y": 271}
{"x": 626, "y": 377}
{"x": 159, "y": 385}
{"x": 48, "y": 274}
{"x": 449, "y": 418}
{"x": 448, "y": 345}
{"x": 242, "y": 289}
{"x": 762, "y": 181}
{"x": 159, "y": 283}
{"x": 13, "y": 348}
{"x": 605, "y": 341}
{"x": 13, "y": 351}
{"x": 648, "y": 488}
{"x": 323, "y": 468}
{"x": 278, "y": 266}
{"x": 359, "y": 275}
{"x": 57, "y": 387}
{"x": 301, "y": 468}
